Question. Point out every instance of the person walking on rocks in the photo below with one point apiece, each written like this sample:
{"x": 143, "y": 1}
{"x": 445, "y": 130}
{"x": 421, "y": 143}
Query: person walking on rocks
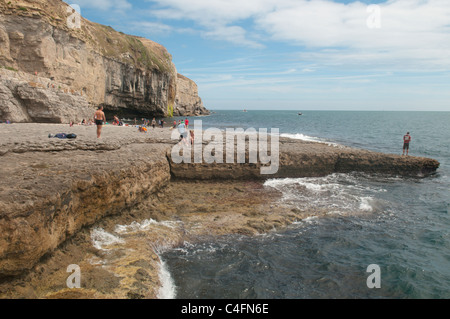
{"x": 99, "y": 117}
{"x": 406, "y": 140}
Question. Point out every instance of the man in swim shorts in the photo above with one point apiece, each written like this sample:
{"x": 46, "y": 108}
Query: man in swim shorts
{"x": 99, "y": 117}
{"x": 406, "y": 140}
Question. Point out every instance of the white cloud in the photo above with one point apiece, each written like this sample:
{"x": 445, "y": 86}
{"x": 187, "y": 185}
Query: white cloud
{"x": 152, "y": 27}
{"x": 219, "y": 19}
{"x": 212, "y": 12}
{"x": 324, "y": 23}
{"x": 232, "y": 34}
{"x": 412, "y": 32}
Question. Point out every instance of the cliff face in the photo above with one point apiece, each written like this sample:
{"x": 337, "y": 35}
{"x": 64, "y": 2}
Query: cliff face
{"x": 187, "y": 101}
{"x": 22, "y": 99}
{"x": 100, "y": 180}
{"x": 128, "y": 75}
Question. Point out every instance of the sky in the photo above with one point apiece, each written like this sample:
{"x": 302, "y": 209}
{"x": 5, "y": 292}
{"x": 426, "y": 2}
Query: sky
{"x": 298, "y": 54}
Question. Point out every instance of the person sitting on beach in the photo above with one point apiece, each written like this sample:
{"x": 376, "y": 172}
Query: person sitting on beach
{"x": 142, "y": 129}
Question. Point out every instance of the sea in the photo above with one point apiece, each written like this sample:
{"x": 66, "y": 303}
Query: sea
{"x": 383, "y": 236}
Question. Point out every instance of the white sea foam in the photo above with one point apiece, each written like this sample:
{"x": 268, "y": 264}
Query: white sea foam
{"x": 307, "y": 138}
{"x": 101, "y": 238}
{"x": 310, "y": 219}
{"x": 337, "y": 193}
{"x": 311, "y": 185}
{"x": 365, "y": 204}
{"x": 144, "y": 225}
{"x": 276, "y": 182}
{"x": 168, "y": 288}
{"x": 300, "y": 136}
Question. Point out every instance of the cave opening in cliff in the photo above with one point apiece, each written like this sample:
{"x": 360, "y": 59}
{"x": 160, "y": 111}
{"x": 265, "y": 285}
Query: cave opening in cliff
{"x": 130, "y": 114}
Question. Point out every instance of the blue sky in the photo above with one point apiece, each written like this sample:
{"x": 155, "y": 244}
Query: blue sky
{"x": 298, "y": 54}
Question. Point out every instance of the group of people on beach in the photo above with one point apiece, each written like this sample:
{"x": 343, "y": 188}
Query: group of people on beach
{"x": 143, "y": 127}
{"x": 146, "y": 122}
{"x": 100, "y": 119}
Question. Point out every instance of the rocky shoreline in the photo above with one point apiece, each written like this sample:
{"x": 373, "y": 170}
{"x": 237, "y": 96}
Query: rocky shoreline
{"x": 111, "y": 206}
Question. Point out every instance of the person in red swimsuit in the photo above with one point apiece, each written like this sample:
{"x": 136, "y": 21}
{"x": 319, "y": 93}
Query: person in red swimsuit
{"x": 406, "y": 140}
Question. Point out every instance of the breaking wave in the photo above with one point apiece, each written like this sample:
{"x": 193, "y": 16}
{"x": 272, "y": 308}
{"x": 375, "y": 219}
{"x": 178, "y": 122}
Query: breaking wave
{"x": 101, "y": 239}
{"x": 336, "y": 193}
{"x": 307, "y": 138}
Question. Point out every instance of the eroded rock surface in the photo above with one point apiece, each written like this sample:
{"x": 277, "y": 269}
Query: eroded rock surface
{"x": 111, "y": 205}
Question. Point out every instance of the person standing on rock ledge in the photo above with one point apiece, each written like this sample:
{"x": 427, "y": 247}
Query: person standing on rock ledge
{"x": 99, "y": 117}
{"x": 406, "y": 140}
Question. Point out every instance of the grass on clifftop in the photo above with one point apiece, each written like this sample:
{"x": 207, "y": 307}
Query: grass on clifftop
{"x": 128, "y": 48}
{"x": 145, "y": 56}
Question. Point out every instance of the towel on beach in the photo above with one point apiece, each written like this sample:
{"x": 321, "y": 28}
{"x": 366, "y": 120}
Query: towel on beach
{"x": 62, "y": 135}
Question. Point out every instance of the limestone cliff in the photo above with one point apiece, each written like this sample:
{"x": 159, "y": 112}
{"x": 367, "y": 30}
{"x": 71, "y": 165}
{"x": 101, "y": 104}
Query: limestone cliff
{"x": 128, "y": 75}
{"x": 27, "y": 98}
{"x": 187, "y": 101}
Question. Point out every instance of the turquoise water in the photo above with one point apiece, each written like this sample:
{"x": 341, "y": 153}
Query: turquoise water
{"x": 400, "y": 224}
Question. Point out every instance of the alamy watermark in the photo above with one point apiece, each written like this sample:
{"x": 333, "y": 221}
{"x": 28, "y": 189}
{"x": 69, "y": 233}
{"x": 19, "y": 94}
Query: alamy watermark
{"x": 74, "y": 280}
{"x": 208, "y": 146}
{"x": 374, "y": 19}
{"x": 374, "y": 279}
